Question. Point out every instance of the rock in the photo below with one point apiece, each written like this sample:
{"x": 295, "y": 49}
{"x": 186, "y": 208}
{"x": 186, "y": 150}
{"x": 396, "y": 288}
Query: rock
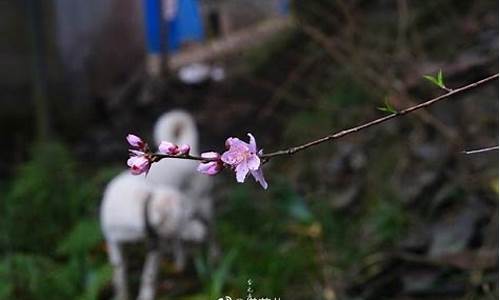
{"x": 453, "y": 233}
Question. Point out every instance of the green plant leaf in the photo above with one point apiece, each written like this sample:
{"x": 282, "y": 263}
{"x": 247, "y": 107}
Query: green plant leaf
{"x": 214, "y": 277}
{"x": 440, "y": 78}
{"x": 84, "y": 236}
{"x": 437, "y": 80}
{"x": 387, "y": 107}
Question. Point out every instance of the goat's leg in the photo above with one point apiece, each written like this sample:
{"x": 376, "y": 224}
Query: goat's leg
{"x": 213, "y": 247}
{"x": 149, "y": 275}
{"x": 117, "y": 259}
{"x": 179, "y": 255}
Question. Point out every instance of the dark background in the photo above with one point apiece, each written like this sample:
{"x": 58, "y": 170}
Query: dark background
{"x": 392, "y": 212}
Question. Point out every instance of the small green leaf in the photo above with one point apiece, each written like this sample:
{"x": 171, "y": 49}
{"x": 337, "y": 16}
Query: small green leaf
{"x": 387, "y": 107}
{"x": 431, "y": 79}
{"x": 438, "y": 80}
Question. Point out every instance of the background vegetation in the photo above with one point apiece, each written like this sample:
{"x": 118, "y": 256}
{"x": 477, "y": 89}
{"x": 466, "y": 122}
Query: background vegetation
{"x": 396, "y": 212}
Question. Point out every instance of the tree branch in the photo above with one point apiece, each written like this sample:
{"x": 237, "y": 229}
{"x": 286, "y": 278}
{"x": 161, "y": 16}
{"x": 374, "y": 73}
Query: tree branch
{"x": 293, "y": 150}
{"x": 154, "y": 157}
{"x": 480, "y": 150}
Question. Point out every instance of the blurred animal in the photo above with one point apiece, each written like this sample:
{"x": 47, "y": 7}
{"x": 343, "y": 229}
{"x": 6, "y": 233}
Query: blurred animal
{"x": 170, "y": 206}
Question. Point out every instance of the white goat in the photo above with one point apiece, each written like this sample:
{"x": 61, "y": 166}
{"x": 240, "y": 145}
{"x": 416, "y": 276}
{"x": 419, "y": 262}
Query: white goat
{"x": 171, "y": 203}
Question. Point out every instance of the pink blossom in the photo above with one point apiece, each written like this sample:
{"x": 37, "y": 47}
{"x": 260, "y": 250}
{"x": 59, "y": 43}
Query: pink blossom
{"x": 135, "y": 141}
{"x": 212, "y": 167}
{"x": 168, "y": 148}
{"x": 184, "y": 149}
{"x": 244, "y": 158}
{"x": 211, "y": 155}
{"x": 136, "y": 152}
{"x": 139, "y": 164}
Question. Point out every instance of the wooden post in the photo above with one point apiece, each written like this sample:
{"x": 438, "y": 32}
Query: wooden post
{"x": 155, "y": 38}
{"x": 39, "y": 68}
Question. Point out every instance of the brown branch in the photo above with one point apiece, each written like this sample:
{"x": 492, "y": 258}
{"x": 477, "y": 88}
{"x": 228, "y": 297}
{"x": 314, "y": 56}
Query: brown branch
{"x": 368, "y": 70}
{"x": 342, "y": 133}
{"x": 480, "y": 150}
{"x": 158, "y": 156}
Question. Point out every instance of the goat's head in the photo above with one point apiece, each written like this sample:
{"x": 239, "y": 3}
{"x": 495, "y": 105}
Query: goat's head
{"x": 177, "y": 127}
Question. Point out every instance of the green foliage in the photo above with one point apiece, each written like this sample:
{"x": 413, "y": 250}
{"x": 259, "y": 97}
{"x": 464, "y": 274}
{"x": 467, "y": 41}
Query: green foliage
{"x": 24, "y": 276}
{"x": 277, "y": 233}
{"x": 260, "y": 231}
{"x": 386, "y": 220}
{"x": 36, "y": 277}
{"x": 387, "y": 107}
{"x": 97, "y": 279}
{"x": 47, "y": 195}
{"x": 85, "y": 236}
{"x": 50, "y": 237}
{"x": 258, "y": 58}
{"x": 437, "y": 80}
{"x": 214, "y": 277}
{"x": 304, "y": 122}
{"x": 344, "y": 93}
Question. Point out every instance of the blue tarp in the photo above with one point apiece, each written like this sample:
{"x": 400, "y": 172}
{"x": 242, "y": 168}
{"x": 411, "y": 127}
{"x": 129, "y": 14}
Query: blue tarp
{"x": 186, "y": 25}
{"x": 153, "y": 23}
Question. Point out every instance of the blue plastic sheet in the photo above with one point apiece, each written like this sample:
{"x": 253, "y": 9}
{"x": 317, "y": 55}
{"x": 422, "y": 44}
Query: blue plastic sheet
{"x": 186, "y": 26}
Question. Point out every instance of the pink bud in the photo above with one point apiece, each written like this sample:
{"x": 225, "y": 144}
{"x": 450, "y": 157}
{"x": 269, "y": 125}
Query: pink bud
{"x": 135, "y": 141}
{"x": 168, "y": 148}
{"x": 138, "y": 164}
{"x": 210, "y": 168}
{"x": 211, "y": 155}
{"x": 184, "y": 149}
{"x": 135, "y": 152}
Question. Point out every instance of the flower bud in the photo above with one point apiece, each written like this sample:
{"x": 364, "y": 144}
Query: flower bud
{"x": 138, "y": 164}
{"x": 211, "y": 155}
{"x": 184, "y": 149}
{"x": 135, "y": 141}
{"x": 168, "y": 148}
{"x": 210, "y": 168}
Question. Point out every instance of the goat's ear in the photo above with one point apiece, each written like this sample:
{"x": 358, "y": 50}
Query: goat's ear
{"x": 177, "y": 127}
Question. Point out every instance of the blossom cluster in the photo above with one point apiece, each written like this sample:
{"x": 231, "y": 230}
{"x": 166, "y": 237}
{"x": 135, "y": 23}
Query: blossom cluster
{"x": 140, "y": 158}
{"x": 241, "y": 157}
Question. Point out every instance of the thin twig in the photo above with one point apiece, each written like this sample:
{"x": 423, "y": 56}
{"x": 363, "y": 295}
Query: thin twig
{"x": 480, "y": 150}
{"x": 159, "y": 156}
{"x": 293, "y": 150}
{"x": 342, "y": 133}
{"x": 368, "y": 70}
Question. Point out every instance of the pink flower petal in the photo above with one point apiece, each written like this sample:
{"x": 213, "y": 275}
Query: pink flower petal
{"x": 168, "y": 148}
{"x": 252, "y": 144}
{"x": 135, "y": 141}
{"x": 135, "y": 152}
{"x": 210, "y": 155}
{"x": 253, "y": 162}
{"x": 138, "y": 165}
{"x": 238, "y": 145}
{"x": 244, "y": 158}
{"x": 230, "y": 141}
{"x": 210, "y": 168}
{"x": 259, "y": 177}
{"x": 184, "y": 149}
{"x": 232, "y": 157}
{"x": 241, "y": 172}
{"x": 130, "y": 161}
